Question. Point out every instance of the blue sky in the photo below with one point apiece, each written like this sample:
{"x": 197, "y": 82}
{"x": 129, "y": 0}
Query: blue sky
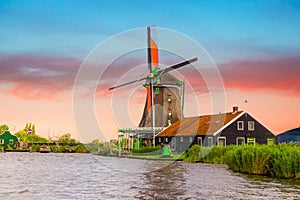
{"x": 227, "y": 29}
{"x": 255, "y": 43}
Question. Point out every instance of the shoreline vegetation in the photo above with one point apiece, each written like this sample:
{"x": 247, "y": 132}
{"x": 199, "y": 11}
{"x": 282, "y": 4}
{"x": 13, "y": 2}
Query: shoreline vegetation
{"x": 279, "y": 161}
{"x": 72, "y": 148}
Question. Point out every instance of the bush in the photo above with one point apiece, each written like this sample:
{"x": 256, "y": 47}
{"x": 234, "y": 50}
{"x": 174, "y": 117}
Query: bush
{"x": 192, "y": 154}
{"x": 35, "y": 148}
{"x": 150, "y": 150}
{"x": 54, "y": 148}
{"x": 81, "y": 149}
{"x": 281, "y": 161}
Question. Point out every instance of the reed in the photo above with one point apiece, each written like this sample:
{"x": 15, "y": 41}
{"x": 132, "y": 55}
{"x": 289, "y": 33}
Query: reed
{"x": 282, "y": 161}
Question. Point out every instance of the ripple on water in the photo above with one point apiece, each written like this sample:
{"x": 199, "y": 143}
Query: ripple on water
{"x": 85, "y": 176}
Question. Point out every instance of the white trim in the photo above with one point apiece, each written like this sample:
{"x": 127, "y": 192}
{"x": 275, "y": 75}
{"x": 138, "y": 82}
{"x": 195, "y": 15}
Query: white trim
{"x": 221, "y": 138}
{"x": 249, "y": 122}
{"x": 212, "y": 141}
{"x": 238, "y": 125}
{"x": 199, "y": 139}
{"x": 11, "y": 141}
{"x": 229, "y": 123}
{"x": 261, "y": 123}
{"x": 237, "y": 138}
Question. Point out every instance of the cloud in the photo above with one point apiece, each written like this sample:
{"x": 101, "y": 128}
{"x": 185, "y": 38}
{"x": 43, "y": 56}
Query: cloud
{"x": 277, "y": 75}
{"x": 37, "y": 77}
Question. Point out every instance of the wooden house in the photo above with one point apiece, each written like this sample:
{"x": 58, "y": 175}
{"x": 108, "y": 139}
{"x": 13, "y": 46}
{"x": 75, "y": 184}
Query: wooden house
{"x": 232, "y": 128}
{"x": 6, "y": 138}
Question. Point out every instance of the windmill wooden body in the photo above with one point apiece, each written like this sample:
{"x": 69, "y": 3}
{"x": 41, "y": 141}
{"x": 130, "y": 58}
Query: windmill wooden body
{"x": 165, "y": 93}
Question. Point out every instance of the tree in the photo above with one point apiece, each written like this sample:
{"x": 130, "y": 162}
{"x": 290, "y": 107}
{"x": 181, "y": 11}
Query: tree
{"x": 3, "y": 128}
{"x": 22, "y": 135}
{"x": 33, "y": 129}
{"x": 95, "y": 141}
{"x": 66, "y": 138}
{"x": 26, "y": 127}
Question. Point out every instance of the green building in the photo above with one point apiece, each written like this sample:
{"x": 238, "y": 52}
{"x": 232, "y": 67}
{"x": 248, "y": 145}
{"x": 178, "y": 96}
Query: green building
{"x": 7, "y": 138}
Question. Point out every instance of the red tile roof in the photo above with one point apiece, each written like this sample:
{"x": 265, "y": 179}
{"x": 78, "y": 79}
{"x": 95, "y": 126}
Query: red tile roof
{"x": 200, "y": 125}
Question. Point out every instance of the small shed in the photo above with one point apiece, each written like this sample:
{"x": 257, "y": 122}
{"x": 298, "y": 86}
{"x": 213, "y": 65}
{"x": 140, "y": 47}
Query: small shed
{"x": 6, "y": 138}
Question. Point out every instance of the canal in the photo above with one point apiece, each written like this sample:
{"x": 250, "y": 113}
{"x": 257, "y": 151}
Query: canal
{"x": 86, "y": 176}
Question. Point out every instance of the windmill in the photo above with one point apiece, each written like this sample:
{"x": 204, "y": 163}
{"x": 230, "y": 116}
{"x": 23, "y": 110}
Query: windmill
{"x": 159, "y": 91}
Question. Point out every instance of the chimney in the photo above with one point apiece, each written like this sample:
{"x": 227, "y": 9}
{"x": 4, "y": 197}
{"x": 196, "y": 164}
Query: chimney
{"x": 235, "y": 109}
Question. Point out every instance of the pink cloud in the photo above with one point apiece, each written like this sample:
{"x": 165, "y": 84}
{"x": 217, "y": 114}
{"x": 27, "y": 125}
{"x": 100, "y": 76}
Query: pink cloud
{"x": 278, "y": 75}
{"x": 37, "y": 77}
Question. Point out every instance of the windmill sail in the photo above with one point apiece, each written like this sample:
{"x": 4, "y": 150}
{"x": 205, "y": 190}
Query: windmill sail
{"x": 154, "y": 52}
{"x": 152, "y": 61}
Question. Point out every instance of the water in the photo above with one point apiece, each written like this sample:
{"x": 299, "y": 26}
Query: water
{"x": 86, "y": 176}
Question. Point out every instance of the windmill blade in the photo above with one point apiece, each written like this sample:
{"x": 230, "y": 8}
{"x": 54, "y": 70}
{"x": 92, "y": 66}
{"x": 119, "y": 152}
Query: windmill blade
{"x": 176, "y": 66}
{"x": 160, "y": 72}
{"x": 131, "y": 82}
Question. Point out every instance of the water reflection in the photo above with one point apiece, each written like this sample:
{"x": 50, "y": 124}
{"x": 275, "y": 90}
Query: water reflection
{"x": 77, "y": 176}
{"x": 165, "y": 183}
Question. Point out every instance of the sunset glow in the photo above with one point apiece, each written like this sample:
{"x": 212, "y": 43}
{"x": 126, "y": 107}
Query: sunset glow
{"x": 255, "y": 45}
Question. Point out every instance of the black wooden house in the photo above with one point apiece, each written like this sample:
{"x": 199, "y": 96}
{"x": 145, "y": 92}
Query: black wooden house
{"x": 232, "y": 128}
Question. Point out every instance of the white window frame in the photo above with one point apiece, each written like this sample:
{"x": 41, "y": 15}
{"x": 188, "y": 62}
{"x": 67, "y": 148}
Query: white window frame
{"x": 250, "y": 122}
{"x": 199, "y": 141}
{"x": 238, "y": 127}
{"x": 11, "y": 141}
{"x": 219, "y": 139}
{"x": 191, "y": 139}
{"x": 1, "y": 141}
{"x": 238, "y": 138}
{"x": 181, "y": 139}
{"x": 210, "y": 141}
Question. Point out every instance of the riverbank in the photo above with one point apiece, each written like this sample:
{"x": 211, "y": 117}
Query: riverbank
{"x": 281, "y": 161}
{"x": 79, "y": 148}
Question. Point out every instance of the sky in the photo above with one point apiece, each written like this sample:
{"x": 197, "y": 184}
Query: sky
{"x": 255, "y": 45}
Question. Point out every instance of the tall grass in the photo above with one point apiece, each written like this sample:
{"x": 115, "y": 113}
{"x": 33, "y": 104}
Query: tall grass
{"x": 281, "y": 161}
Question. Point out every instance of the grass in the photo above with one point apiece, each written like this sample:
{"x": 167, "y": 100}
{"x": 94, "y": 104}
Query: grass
{"x": 282, "y": 161}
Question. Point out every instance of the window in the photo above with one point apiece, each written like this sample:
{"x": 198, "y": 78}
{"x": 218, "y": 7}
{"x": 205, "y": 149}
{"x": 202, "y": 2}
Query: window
{"x": 270, "y": 141}
{"x": 170, "y": 112}
{"x": 169, "y": 98}
{"x": 210, "y": 141}
{"x": 169, "y": 122}
{"x": 240, "y": 125}
{"x": 251, "y": 125}
{"x": 11, "y": 141}
{"x": 166, "y": 139}
{"x": 240, "y": 141}
{"x": 199, "y": 141}
{"x": 159, "y": 140}
{"x": 251, "y": 141}
{"x": 2, "y": 141}
{"x": 191, "y": 139}
{"x": 222, "y": 141}
{"x": 181, "y": 139}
